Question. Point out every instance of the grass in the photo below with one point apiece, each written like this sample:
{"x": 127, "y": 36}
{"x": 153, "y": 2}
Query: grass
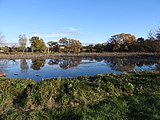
{"x": 130, "y": 96}
{"x": 30, "y": 55}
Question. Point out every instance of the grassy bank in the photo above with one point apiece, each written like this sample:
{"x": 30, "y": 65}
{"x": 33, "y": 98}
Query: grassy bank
{"x": 53, "y": 55}
{"x": 114, "y": 97}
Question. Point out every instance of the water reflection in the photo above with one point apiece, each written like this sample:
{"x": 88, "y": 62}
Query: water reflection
{"x": 122, "y": 65}
{"x": 3, "y": 65}
{"x": 129, "y": 64}
{"x": 24, "y": 66}
{"x": 53, "y": 62}
{"x": 66, "y": 63}
{"x": 75, "y": 66}
{"x": 37, "y": 64}
{"x": 117, "y": 64}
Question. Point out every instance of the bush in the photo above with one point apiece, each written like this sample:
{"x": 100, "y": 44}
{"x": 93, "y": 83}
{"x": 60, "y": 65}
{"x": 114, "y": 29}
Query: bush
{"x": 128, "y": 96}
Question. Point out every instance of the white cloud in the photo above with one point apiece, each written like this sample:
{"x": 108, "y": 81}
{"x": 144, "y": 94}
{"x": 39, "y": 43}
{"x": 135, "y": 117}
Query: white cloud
{"x": 72, "y": 30}
{"x": 64, "y": 33}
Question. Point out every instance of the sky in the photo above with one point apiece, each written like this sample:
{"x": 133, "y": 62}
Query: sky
{"x": 89, "y": 21}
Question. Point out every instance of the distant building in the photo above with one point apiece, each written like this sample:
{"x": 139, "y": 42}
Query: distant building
{"x": 62, "y": 47}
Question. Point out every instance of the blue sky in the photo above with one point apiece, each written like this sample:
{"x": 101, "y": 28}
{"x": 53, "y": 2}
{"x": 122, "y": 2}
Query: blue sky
{"x": 90, "y": 21}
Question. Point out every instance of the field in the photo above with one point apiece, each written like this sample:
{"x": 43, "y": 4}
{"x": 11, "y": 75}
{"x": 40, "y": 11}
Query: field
{"x": 130, "y": 96}
{"x": 55, "y": 55}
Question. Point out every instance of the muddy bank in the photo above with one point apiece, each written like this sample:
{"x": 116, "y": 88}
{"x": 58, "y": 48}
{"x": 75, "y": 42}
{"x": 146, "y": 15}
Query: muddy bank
{"x": 50, "y": 56}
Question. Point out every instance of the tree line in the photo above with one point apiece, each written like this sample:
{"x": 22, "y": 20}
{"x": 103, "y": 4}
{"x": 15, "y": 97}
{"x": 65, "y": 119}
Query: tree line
{"x": 37, "y": 44}
{"x": 123, "y": 42}
{"x": 126, "y": 42}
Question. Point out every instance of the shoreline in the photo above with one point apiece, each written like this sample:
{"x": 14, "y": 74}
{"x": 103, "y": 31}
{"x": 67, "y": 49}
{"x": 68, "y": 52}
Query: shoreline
{"x": 55, "y": 55}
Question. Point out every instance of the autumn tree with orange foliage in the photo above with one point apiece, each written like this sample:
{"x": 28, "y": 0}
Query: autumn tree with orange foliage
{"x": 122, "y": 42}
{"x": 70, "y": 45}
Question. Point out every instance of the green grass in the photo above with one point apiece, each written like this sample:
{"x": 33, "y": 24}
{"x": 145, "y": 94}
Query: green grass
{"x": 129, "y": 96}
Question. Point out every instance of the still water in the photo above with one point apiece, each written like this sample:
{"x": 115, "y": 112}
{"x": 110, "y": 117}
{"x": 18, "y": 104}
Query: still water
{"x": 38, "y": 69}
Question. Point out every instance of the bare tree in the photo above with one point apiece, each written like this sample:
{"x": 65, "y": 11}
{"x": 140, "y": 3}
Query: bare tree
{"x": 154, "y": 35}
{"x": 2, "y": 39}
{"x": 158, "y": 34}
{"x": 22, "y": 41}
{"x": 151, "y": 35}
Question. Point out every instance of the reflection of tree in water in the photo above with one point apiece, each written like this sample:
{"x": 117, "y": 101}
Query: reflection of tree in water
{"x": 14, "y": 61}
{"x": 128, "y": 64}
{"x": 3, "y": 65}
{"x": 69, "y": 62}
{"x": 120, "y": 64}
{"x": 149, "y": 62}
{"x": 158, "y": 65}
{"x": 53, "y": 62}
{"x": 24, "y": 66}
{"x": 37, "y": 64}
{"x": 99, "y": 59}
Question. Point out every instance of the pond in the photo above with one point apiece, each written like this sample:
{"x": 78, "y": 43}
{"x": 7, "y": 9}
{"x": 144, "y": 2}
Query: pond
{"x": 38, "y": 69}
